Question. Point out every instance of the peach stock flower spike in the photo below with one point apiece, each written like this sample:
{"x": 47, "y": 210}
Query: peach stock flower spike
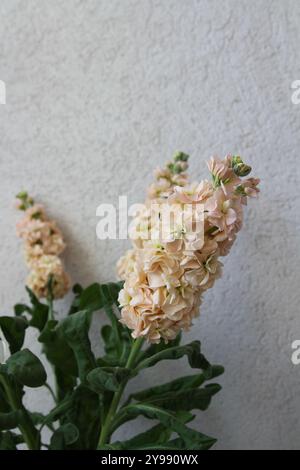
{"x": 43, "y": 243}
{"x": 165, "y": 276}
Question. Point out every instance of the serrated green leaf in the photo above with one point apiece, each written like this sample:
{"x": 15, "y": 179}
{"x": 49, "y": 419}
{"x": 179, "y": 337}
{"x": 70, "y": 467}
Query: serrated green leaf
{"x": 177, "y": 385}
{"x": 193, "y": 439}
{"x": 183, "y": 383}
{"x": 193, "y": 399}
{"x": 192, "y": 351}
{"x": 159, "y": 347}
{"x": 156, "y": 435}
{"x": 26, "y": 368}
{"x": 175, "y": 444}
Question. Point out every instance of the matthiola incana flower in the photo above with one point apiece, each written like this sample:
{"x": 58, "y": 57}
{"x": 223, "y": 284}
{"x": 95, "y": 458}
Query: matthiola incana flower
{"x": 171, "y": 266}
{"x": 178, "y": 238}
{"x": 43, "y": 243}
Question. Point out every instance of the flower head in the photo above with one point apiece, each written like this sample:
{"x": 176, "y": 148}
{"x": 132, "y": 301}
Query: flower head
{"x": 43, "y": 243}
{"x": 172, "y": 264}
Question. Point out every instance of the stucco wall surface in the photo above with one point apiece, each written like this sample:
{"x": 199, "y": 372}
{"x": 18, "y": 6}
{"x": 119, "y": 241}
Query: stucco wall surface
{"x": 99, "y": 93}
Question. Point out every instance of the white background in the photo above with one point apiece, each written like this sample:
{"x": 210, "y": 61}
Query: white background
{"x": 99, "y": 93}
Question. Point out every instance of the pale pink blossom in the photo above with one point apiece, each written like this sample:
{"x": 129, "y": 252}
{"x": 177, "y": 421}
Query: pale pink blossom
{"x": 43, "y": 243}
{"x": 47, "y": 266}
{"x": 175, "y": 260}
{"x": 191, "y": 194}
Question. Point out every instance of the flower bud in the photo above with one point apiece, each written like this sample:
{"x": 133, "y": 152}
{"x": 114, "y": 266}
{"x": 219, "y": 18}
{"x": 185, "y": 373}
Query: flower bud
{"x": 23, "y": 195}
{"x": 181, "y": 157}
{"x": 239, "y": 167}
{"x": 25, "y": 200}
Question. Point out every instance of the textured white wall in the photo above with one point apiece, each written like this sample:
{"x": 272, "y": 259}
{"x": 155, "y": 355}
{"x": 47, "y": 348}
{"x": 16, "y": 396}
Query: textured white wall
{"x": 100, "y": 92}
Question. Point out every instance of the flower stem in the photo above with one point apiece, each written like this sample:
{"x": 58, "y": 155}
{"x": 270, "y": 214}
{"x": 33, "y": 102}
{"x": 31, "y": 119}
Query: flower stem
{"x": 51, "y": 392}
{"x": 50, "y": 299}
{"x": 51, "y": 317}
{"x": 105, "y": 431}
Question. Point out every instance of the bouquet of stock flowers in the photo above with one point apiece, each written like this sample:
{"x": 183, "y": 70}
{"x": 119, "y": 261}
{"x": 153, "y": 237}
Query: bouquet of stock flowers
{"x": 177, "y": 238}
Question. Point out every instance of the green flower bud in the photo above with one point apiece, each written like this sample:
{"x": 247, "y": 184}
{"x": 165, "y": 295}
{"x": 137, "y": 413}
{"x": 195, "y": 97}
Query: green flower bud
{"x": 23, "y": 195}
{"x": 242, "y": 169}
{"x": 236, "y": 160}
{"x": 181, "y": 157}
{"x": 239, "y": 167}
{"x": 240, "y": 190}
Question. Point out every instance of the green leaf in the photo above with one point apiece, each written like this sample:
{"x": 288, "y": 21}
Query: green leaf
{"x": 7, "y": 380}
{"x": 191, "y": 350}
{"x": 7, "y": 441}
{"x": 108, "y": 337}
{"x": 38, "y": 311}
{"x": 26, "y": 368}
{"x": 14, "y": 331}
{"x": 64, "y": 437}
{"x": 192, "y": 439}
{"x": 10, "y": 420}
{"x": 57, "y": 412}
{"x": 162, "y": 346}
{"x": 175, "y": 444}
{"x": 193, "y": 399}
{"x": 108, "y": 378}
{"x": 183, "y": 383}
{"x": 84, "y": 413}
{"x": 75, "y": 329}
{"x": 77, "y": 290}
{"x": 65, "y": 383}
{"x": 39, "y": 418}
{"x": 117, "y": 341}
{"x": 57, "y": 350}
{"x": 61, "y": 356}
{"x": 82, "y": 409}
{"x": 96, "y": 296}
{"x": 156, "y": 435}
{"x": 4, "y": 405}
{"x": 20, "y": 309}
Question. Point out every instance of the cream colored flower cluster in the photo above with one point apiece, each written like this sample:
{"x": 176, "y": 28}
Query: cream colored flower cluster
{"x": 43, "y": 244}
{"x": 171, "y": 265}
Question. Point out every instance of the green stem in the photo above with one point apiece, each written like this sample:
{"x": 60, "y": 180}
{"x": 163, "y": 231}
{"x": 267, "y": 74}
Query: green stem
{"x": 105, "y": 431}
{"x": 50, "y": 299}
{"x": 51, "y": 392}
{"x": 29, "y": 432}
{"x": 50, "y": 304}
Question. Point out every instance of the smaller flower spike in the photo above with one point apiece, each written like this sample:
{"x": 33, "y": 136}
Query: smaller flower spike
{"x": 43, "y": 244}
